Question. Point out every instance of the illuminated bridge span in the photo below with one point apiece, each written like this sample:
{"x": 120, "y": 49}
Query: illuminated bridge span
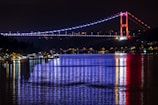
{"x": 63, "y": 35}
{"x": 124, "y": 16}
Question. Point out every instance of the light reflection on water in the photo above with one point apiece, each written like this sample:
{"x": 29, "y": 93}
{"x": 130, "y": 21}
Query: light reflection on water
{"x": 110, "y": 79}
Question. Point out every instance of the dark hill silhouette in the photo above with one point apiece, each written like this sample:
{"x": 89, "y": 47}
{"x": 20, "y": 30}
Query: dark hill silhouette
{"x": 14, "y": 45}
{"x": 150, "y": 35}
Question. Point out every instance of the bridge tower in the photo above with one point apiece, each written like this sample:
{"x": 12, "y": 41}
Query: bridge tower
{"x": 124, "y": 23}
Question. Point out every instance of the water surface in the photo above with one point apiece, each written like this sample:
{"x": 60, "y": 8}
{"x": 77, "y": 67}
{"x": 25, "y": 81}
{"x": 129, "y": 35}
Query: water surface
{"x": 82, "y": 79}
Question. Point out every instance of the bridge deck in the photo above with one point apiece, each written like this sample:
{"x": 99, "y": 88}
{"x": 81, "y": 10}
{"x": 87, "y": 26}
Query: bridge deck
{"x": 60, "y": 35}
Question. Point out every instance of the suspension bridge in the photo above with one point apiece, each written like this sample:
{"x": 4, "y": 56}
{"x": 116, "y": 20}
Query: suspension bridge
{"x": 123, "y": 32}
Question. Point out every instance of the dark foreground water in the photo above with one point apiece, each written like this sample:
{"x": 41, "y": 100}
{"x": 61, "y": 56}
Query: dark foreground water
{"x": 110, "y": 79}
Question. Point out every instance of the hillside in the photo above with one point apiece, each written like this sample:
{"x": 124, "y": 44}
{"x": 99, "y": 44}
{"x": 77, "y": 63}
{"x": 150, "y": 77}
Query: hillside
{"x": 150, "y": 35}
{"x": 13, "y": 45}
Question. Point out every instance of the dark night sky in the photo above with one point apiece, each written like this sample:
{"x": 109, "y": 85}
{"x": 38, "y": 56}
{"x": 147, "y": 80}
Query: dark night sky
{"x": 42, "y": 15}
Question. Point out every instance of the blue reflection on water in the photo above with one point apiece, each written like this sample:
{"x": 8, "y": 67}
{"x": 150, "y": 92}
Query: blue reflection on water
{"x": 72, "y": 79}
{"x": 86, "y": 79}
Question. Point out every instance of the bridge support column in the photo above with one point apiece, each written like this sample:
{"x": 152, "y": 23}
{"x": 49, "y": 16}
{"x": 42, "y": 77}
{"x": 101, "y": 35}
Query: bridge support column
{"x": 124, "y": 25}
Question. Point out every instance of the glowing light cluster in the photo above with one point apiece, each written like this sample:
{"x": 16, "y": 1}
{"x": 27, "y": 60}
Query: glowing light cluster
{"x": 123, "y": 38}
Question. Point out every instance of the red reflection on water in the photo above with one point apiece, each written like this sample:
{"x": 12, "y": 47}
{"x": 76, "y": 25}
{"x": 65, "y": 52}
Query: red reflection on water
{"x": 134, "y": 80}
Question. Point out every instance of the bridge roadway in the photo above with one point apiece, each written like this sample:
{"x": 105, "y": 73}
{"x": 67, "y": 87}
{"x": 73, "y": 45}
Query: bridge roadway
{"x": 56, "y": 35}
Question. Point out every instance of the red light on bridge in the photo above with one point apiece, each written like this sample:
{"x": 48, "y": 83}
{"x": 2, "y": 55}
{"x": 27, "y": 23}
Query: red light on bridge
{"x": 129, "y": 37}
